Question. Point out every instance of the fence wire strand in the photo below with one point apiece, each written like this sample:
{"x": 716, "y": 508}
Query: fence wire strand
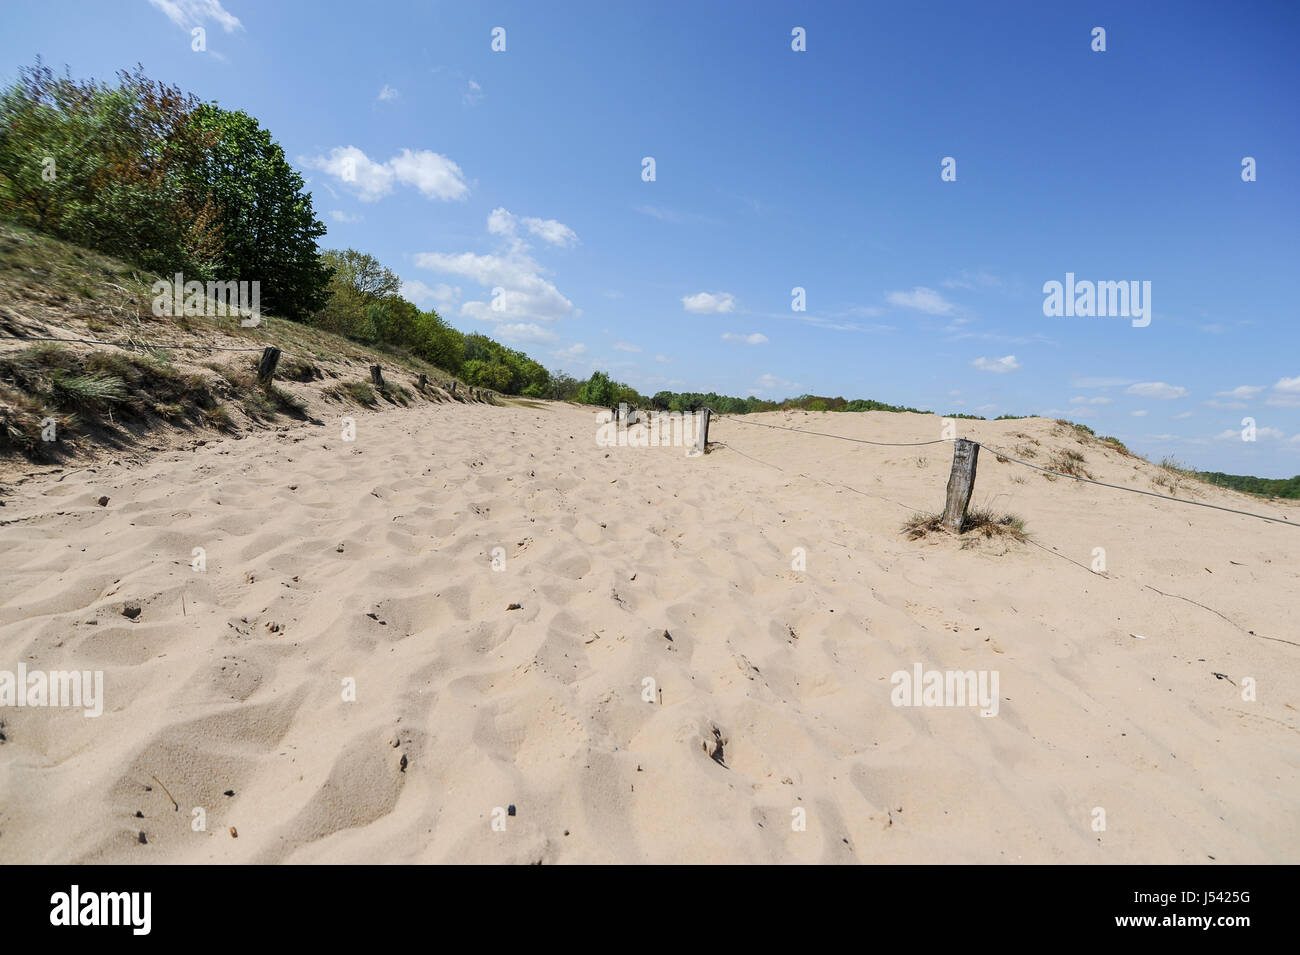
{"x": 1134, "y": 490}
{"x": 1003, "y": 454}
{"x": 147, "y": 346}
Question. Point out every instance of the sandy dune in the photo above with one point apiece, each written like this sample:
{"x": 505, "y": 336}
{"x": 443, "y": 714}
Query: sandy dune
{"x": 372, "y": 560}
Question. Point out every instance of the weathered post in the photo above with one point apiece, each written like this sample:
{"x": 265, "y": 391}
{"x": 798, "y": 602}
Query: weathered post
{"x": 266, "y": 367}
{"x": 377, "y": 377}
{"x": 965, "y": 455}
{"x": 453, "y": 387}
{"x": 422, "y": 381}
{"x": 702, "y": 429}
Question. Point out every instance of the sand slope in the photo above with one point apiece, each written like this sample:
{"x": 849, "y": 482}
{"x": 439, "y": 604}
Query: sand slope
{"x": 372, "y": 560}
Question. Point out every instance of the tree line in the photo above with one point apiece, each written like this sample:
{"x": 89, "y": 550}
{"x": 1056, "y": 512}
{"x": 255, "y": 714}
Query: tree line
{"x": 147, "y": 173}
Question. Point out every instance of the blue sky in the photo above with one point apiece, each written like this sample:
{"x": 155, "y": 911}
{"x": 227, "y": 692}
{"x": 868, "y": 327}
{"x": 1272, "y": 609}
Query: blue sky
{"x": 467, "y": 169}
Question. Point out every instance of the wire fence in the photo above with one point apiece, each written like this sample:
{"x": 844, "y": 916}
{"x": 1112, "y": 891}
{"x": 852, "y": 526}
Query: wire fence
{"x": 1050, "y": 551}
{"x": 449, "y": 386}
{"x": 758, "y": 424}
{"x": 146, "y": 346}
{"x": 1004, "y": 455}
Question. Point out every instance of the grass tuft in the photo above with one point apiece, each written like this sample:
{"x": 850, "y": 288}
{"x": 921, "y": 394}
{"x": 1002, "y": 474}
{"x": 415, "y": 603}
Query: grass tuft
{"x": 981, "y": 522}
{"x": 357, "y": 392}
{"x": 1068, "y": 462}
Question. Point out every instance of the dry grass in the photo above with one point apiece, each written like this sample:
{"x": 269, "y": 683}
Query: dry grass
{"x": 108, "y": 395}
{"x": 1069, "y": 462}
{"x": 352, "y": 392}
{"x": 1175, "y": 477}
{"x": 979, "y": 522}
{"x": 98, "y": 395}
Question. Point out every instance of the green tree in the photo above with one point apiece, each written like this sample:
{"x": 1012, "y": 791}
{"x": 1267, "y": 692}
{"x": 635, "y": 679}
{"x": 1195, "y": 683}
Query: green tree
{"x": 438, "y": 343}
{"x": 269, "y": 224}
{"x": 598, "y": 390}
{"x": 391, "y": 320}
{"x": 357, "y": 281}
{"x": 111, "y": 168}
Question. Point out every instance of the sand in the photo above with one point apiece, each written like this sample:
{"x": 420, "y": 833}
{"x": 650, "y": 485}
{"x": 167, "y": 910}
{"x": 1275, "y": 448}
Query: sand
{"x": 481, "y": 733}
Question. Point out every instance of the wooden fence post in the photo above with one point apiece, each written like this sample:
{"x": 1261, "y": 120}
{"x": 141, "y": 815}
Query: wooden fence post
{"x": 965, "y": 455}
{"x": 266, "y": 367}
{"x": 377, "y": 377}
{"x": 421, "y": 381}
{"x": 702, "y": 430}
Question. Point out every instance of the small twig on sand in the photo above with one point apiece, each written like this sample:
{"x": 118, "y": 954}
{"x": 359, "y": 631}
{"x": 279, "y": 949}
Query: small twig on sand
{"x": 176, "y": 807}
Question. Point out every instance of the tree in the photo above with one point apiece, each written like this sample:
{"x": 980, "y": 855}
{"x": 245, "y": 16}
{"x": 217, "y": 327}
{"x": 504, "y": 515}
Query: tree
{"x": 489, "y": 374}
{"x": 563, "y": 387}
{"x": 356, "y": 282}
{"x": 270, "y": 226}
{"x": 597, "y": 390}
{"x": 391, "y": 320}
{"x": 438, "y": 343}
{"x": 111, "y": 168}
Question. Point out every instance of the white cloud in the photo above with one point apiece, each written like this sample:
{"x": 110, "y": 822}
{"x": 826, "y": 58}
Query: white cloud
{"x": 520, "y": 293}
{"x": 709, "y": 303}
{"x": 340, "y": 216}
{"x": 997, "y": 365}
{"x": 1139, "y": 414}
{"x": 350, "y": 165}
{"x": 503, "y": 222}
{"x": 770, "y": 384}
{"x": 1232, "y": 434}
{"x": 922, "y": 299}
{"x": 1241, "y": 392}
{"x": 387, "y": 93}
{"x": 1156, "y": 389}
{"x": 1091, "y": 401}
{"x": 187, "y": 14}
{"x": 523, "y": 332}
{"x": 661, "y": 358}
{"x": 434, "y": 175}
{"x": 440, "y": 296}
{"x": 1286, "y": 393}
{"x": 574, "y": 352}
{"x": 473, "y": 94}
{"x": 526, "y": 294}
{"x": 1184, "y": 414}
{"x": 624, "y": 346}
{"x": 548, "y": 230}
{"x": 756, "y": 338}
